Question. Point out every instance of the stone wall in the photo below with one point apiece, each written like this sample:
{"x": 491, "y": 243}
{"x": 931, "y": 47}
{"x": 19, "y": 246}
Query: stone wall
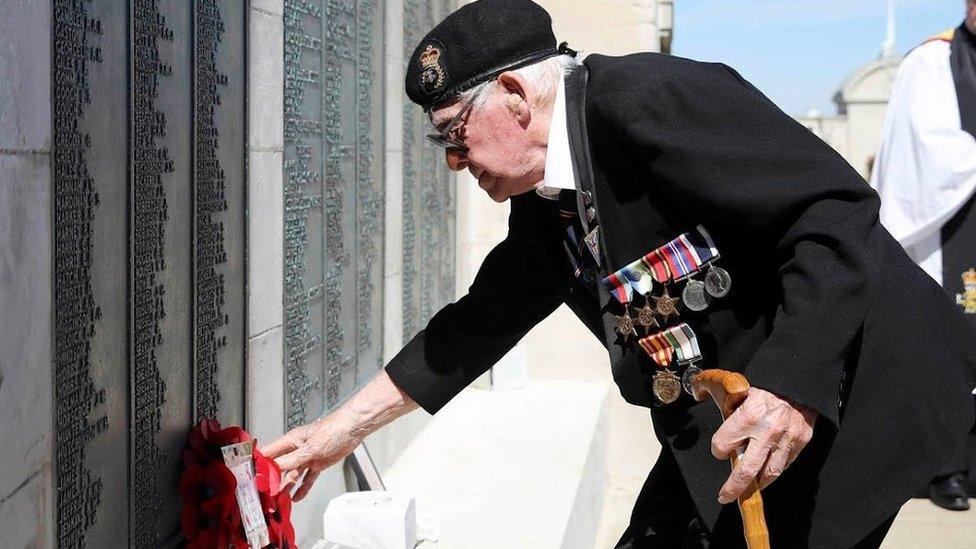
{"x": 26, "y": 460}
{"x": 28, "y": 506}
{"x": 269, "y": 236}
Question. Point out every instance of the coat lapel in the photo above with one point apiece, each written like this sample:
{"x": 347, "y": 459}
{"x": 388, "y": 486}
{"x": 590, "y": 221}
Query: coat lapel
{"x": 627, "y": 370}
{"x": 625, "y": 236}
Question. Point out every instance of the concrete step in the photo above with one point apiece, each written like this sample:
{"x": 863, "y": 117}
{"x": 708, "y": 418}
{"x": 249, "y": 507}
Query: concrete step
{"x": 522, "y": 468}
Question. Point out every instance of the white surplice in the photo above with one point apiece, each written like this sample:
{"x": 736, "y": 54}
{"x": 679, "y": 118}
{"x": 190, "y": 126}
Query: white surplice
{"x": 925, "y": 169}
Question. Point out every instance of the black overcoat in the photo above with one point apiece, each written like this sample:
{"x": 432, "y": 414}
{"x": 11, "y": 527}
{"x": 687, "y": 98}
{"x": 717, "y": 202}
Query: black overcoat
{"x": 825, "y": 309}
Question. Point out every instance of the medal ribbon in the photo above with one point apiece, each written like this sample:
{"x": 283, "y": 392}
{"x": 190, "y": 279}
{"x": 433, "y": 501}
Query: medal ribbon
{"x": 638, "y": 274}
{"x": 658, "y": 348}
{"x": 679, "y": 341}
{"x": 693, "y": 341}
{"x": 618, "y": 286}
{"x": 681, "y": 258}
{"x": 685, "y": 343}
{"x": 703, "y": 245}
{"x": 657, "y": 266}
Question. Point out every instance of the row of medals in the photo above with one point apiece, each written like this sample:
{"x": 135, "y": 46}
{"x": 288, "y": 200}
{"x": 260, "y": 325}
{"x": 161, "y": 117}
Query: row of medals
{"x": 696, "y": 296}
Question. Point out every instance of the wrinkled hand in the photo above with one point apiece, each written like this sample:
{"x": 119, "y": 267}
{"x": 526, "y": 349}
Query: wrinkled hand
{"x": 310, "y": 449}
{"x": 774, "y": 430}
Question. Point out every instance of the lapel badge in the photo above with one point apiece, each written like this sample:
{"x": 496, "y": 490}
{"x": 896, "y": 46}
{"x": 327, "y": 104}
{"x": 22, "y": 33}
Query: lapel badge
{"x": 433, "y": 75}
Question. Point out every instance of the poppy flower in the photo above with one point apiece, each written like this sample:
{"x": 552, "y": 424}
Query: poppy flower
{"x": 210, "y": 516}
{"x": 208, "y": 499}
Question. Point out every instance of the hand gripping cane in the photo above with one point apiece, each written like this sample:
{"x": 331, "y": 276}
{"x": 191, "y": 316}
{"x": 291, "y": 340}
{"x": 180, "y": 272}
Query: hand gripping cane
{"x": 728, "y": 390}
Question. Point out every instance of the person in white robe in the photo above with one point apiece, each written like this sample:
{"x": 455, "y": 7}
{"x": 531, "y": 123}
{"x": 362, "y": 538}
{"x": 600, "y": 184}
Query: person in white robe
{"x": 925, "y": 173}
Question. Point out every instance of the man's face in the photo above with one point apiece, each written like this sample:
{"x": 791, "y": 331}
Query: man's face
{"x": 971, "y": 15}
{"x": 503, "y": 140}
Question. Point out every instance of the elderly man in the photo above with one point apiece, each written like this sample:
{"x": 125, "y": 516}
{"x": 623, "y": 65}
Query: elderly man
{"x": 641, "y": 187}
{"x": 926, "y": 176}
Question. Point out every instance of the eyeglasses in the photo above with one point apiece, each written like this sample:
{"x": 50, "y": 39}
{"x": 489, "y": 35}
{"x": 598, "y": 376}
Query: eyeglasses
{"x": 443, "y": 138}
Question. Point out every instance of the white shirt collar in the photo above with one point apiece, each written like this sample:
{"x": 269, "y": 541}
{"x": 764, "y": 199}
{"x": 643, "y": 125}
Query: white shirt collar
{"x": 559, "y": 161}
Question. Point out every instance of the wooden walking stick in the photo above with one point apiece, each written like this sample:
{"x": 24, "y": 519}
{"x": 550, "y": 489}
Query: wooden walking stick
{"x": 728, "y": 390}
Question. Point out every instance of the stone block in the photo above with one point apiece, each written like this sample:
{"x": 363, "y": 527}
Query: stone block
{"x": 392, "y": 316}
{"x": 25, "y": 95}
{"x": 393, "y": 212}
{"x": 393, "y": 60}
{"x": 266, "y": 81}
{"x": 274, "y": 7}
{"x": 25, "y": 513}
{"x": 265, "y": 242}
{"x": 25, "y": 343}
{"x": 265, "y": 404}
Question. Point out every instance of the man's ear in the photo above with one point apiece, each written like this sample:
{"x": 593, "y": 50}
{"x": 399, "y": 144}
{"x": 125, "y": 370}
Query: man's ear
{"x": 518, "y": 96}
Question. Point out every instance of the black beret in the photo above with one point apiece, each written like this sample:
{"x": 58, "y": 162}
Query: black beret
{"x": 475, "y": 44}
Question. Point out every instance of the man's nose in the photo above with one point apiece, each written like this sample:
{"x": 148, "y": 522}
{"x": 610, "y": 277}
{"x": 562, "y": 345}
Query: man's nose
{"x": 457, "y": 159}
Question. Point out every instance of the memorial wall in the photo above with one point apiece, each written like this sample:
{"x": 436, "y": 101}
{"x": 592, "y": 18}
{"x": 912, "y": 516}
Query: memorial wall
{"x": 148, "y": 217}
{"x": 334, "y": 140}
{"x": 429, "y": 195}
{"x": 131, "y": 241}
{"x": 333, "y": 188}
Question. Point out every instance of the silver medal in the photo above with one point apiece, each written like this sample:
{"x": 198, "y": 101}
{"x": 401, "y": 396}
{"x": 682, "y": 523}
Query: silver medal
{"x": 688, "y": 377}
{"x": 718, "y": 282}
{"x": 694, "y": 296}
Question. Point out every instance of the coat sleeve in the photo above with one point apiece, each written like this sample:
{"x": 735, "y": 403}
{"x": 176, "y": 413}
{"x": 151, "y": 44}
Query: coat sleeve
{"x": 510, "y": 294}
{"x": 719, "y": 150}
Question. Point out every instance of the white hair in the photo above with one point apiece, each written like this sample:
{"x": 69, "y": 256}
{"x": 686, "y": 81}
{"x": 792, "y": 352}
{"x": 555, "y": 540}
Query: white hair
{"x": 543, "y": 77}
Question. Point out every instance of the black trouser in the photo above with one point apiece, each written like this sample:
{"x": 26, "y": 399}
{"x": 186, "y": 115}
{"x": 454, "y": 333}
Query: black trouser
{"x": 965, "y": 458}
{"x": 665, "y": 517}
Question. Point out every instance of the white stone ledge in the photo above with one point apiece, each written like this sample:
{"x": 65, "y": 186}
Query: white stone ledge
{"x": 519, "y": 468}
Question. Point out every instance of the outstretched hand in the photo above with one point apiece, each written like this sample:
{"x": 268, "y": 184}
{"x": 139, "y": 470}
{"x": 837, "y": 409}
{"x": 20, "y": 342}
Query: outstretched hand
{"x": 773, "y": 430}
{"x": 310, "y": 449}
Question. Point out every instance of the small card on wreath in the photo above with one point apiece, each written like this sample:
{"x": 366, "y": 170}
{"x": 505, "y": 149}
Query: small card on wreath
{"x": 238, "y": 458}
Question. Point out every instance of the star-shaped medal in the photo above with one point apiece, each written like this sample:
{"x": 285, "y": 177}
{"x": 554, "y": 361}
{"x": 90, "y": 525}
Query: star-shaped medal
{"x": 666, "y": 305}
{"x": 645, "y": 317}
{"x": 625, "y": 325}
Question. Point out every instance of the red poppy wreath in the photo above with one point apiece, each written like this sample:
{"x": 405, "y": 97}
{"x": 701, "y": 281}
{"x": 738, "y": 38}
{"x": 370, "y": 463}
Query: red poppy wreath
{"x": 211, "y": 515}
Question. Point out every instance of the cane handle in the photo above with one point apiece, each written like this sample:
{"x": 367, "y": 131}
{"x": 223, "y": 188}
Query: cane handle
{"x": 728, "y": 390}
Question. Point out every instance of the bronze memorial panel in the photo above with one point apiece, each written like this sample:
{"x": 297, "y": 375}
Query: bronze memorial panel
{"x": 429, "y": 198}
{"x": 333, "y": 201}
{"x": 149, "y": 228}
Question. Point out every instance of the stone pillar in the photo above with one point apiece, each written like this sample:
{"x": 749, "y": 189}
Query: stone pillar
{"x": 610, "y": 27}
{"x": 26, "y": 455}
{"x": 265, "y": 386}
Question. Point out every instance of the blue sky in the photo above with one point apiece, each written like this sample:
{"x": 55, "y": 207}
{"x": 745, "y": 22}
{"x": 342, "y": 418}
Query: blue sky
{"x": 799, "y": 52}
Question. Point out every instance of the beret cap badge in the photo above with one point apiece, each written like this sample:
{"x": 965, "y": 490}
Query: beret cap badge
{"x": 433, "y": 76}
